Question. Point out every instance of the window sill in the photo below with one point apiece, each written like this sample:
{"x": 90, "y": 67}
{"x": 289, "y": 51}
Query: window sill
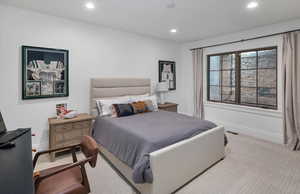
{"x": 246, "y": 109}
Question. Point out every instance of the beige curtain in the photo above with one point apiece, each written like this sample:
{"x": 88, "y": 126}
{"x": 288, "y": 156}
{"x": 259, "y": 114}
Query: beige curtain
{"x": 198, "y": 83}
{"x": 291, "y": 75}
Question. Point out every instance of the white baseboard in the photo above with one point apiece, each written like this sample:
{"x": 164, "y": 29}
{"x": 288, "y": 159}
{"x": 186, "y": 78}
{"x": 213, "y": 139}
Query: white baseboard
{"x": 184, "y": 113}
{"x": 257, "y": 133}
{"x": 40, "y": 147}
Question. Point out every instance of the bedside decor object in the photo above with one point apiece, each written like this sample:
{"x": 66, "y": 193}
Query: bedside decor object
{"x": 68, "y": 132}
{"x": 161, "y": 89}
{"x": 167, "y": 73}
{"x": 45, "y": 72}
{"x": 62, "y": 112}
{"x": 168, "y": 106}
{"x": 71, "y": 114}
{"x": 61, "y": 109}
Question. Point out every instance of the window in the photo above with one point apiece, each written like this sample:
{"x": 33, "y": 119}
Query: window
{"x": 245, "y": 77}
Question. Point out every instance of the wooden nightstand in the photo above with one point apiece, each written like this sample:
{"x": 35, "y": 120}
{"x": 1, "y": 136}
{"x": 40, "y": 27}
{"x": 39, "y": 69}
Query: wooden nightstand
{"x": 66, "y": 132}
{"x": 168, "y": 106}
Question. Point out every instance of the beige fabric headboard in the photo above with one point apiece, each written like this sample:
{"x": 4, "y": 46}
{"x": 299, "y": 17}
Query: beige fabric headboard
{"x": 114, "y": 87}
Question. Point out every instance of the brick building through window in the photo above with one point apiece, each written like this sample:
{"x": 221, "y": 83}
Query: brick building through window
{"x": 244, "y": 77}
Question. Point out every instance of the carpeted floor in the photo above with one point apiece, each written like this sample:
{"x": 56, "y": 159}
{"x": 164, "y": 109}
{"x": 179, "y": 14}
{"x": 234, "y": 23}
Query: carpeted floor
{"x": 251, "y": 166}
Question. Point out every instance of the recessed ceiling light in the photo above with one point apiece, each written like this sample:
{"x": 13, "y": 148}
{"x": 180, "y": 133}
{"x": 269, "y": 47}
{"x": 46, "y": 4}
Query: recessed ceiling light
{"x": 252, "y": 5}
{"x": 173, "y": 31}
{"x": 90, "y": 5}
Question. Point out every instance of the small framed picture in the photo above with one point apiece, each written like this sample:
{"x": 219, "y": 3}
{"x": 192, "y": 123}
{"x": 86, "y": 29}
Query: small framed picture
{"x": 60, "y": 108}
{"x": 167, "y": 73}
{"x": 59, "y": 87}
{"x": 45, "y": 72}
{"x": 33, "y": 88}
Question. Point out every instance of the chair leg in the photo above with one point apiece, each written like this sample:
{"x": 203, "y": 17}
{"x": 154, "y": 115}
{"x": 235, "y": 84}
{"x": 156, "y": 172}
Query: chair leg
{"x": 85, "y": 180}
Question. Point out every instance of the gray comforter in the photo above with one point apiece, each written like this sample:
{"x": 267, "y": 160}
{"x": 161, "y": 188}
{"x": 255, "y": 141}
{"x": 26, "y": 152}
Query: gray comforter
{"x": 132, "y": 138}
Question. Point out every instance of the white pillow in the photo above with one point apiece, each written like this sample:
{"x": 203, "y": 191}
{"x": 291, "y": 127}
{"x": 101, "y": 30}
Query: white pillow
{"x": 104, "y": 105}
{"x": 138, "y": 97}
{"x": 144, "y": 98}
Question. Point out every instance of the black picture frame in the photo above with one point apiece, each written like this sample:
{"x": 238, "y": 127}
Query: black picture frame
{"x": 167, "y": 72}
{"x": 45, "y": 72}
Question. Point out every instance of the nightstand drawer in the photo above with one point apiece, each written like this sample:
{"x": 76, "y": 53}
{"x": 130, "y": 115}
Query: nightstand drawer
{"x": 59, "y": 138}
{"x": 68, "y": 135}
{"x": 72, "y": 142}
{"x": 59, "y": 145}
{"x": 170, "y": 109}
{"x": 86, "y": 131}
{"x": 63, "y": 127}
{"x": 72, "y": 134}
{"x": 81, "y": 125}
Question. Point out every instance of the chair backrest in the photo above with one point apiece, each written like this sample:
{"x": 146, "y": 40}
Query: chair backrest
{"x": 89, "y": 147}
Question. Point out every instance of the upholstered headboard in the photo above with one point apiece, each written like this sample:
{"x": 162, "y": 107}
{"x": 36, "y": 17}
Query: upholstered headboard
{"x": 114, "y": 87}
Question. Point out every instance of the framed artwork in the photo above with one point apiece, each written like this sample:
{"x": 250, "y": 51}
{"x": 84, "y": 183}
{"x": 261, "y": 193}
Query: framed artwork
{"x": 167, "y": 73}
{"x": 45, "y": 72}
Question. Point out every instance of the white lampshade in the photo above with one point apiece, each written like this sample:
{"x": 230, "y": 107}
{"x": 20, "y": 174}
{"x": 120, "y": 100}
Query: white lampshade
{"x": 162, "y": 87}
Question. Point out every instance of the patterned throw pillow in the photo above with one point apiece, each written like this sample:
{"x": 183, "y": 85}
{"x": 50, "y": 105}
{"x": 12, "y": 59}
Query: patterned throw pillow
{"x": 104, "y": 105}
{"x": 150, "y": 106}
{"x": 152, "y": 98}
{"x": 139, "y": 107}
{"x": 123, "y": 110}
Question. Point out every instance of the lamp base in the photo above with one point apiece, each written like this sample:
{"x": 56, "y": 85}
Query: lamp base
{"x": 162, "y": 98}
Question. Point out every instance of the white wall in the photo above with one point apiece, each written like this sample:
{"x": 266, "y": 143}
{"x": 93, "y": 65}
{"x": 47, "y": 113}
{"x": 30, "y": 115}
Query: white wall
{"x": 95, "y": 51}
{"x": 265, "y": 124}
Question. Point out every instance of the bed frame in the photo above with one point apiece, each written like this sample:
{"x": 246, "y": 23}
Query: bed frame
{"x": 173, "y": 166}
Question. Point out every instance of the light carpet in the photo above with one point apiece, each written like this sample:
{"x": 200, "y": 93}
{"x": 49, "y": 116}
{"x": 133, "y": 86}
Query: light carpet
{"x": 251, "y": 166}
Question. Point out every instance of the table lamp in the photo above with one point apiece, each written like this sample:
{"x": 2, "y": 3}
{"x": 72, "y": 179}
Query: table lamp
{"x": 161, "y": 89}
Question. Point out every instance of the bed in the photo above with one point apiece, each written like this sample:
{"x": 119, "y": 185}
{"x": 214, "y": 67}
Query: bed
{"x": 172, "y": 166}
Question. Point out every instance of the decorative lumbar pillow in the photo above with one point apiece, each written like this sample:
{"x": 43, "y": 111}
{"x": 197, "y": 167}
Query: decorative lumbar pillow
{"x": 145, "y": 98}
{"x": 139, "y": 107}
{"x": 104, "y": 105}
{"x": 123, "y": 109}
{"x": 149, "y": 104}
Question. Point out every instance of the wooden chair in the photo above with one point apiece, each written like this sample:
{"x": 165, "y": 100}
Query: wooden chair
{"x": 69, "y": 178}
